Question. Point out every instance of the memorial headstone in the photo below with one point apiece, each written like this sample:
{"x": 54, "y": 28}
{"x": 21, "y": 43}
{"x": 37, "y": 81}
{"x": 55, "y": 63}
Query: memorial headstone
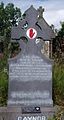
{"x": 30, "y": 72}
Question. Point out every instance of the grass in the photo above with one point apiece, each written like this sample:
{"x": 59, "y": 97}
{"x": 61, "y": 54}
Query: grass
{"x": 3, "y": 88}
{"x": 3, "y": 81}
{"x": 58, "y": 83}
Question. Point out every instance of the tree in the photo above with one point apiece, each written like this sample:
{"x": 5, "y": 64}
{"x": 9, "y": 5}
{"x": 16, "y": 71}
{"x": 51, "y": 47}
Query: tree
{"x": 2, "y": 20}
{"x": 8, "y": 15}
{"x": 12, "y": 14}
{"x": 58, "y": 41}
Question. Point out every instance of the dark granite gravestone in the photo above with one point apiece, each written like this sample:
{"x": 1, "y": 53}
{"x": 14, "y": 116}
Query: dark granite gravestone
{"x": 30, "y": 72}
{"x": 30, "y": 82}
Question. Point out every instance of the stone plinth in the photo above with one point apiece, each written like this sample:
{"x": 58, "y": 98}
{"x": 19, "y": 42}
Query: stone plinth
{"x": 15, "y": 113}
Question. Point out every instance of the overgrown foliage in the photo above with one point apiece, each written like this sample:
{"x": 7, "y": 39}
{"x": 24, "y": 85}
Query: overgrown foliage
{"x": 58, "y": 68}
{"x": 58, "y": 83}
{"x": 8, "y": 16}
{"x": 3, "y": 88}
{"x": 3, "y": 81}
{"x": 58, "y": 42}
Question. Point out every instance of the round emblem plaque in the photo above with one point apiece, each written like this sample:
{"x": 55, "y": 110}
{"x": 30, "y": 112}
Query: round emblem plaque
{"x": 31, "y": 33}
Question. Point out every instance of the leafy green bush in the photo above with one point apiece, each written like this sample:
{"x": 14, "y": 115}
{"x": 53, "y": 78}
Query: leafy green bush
{"x": 58, "y": 83}
{"x": 3, "y": 80}
{"x": 3, "y": 88}
{"x": 52, "y": 119}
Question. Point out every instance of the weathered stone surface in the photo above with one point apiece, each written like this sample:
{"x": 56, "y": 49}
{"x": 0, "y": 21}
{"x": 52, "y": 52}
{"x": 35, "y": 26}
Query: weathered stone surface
{"x": 15, "y": 113}
{"x": 30, "y": 81}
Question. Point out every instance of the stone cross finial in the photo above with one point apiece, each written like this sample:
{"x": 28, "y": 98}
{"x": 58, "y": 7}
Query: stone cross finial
{"x": 40, "y": 11}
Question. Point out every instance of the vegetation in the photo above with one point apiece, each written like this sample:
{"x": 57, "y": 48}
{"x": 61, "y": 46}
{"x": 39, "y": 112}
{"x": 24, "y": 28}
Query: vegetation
{"x": 4, "y": 78}
{"x": 58, "y": 42}
{"x": 3, "y": 88}
{"x": 9, "y": 16}
{"x": 58, "y": 83}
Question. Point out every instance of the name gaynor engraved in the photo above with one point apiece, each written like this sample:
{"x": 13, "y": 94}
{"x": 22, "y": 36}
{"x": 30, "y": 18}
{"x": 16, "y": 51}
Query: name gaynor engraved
{"x": 32, "y": 118}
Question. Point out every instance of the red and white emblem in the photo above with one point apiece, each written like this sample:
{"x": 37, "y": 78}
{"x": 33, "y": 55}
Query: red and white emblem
{"x": 31, "y": 33}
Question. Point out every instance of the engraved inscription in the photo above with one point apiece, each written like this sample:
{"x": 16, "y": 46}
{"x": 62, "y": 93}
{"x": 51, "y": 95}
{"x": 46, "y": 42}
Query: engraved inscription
{"x": 32, "y": 118}
{"x": 31, "y": 102}
{"x": 30, "y": 68}
{"x": 30, "y": 95}
{"x": 30, "y": 81}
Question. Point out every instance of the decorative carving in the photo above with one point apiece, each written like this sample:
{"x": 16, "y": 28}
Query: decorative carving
{"x": 40, "y": 12}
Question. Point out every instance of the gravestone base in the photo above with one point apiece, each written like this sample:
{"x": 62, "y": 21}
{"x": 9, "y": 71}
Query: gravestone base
{"x": 16, "y": 113}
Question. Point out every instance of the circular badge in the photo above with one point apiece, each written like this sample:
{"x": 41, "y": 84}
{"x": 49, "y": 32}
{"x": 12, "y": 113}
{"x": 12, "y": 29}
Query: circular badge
{"x": 31, "y": 33}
